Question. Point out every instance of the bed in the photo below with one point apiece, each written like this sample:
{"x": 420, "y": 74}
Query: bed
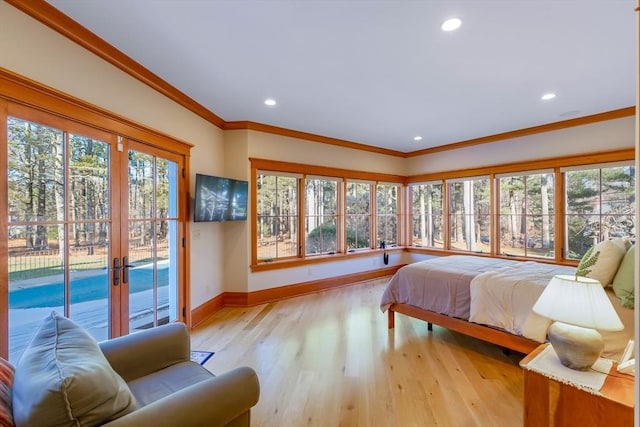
{"x": 487, "y": 298}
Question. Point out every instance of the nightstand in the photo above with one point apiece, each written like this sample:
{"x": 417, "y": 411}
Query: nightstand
{"x": 555, "y": 395}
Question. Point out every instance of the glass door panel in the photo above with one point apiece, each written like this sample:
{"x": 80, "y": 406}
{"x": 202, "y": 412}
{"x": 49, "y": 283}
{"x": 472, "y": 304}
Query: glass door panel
{"x": 58, "y": 224}
{"x": 153, "y": 240}
{"x": 89, "y": 282}
{"x": 36, "y": 284}
{"x": 141, "y": 275}
{"x": 88, "y": 212}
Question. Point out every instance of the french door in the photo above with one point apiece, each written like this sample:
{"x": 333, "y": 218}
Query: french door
{"x": 150, "y": 270}
{"x": 93, "y": 228}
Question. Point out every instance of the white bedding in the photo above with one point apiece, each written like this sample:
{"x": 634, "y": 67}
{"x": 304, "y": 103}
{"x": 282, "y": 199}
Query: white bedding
{"x": 504, "y": 299}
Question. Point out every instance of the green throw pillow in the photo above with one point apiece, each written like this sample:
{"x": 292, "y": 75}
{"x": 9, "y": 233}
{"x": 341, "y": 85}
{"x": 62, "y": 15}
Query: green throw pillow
{"x": 624, "y": 283}
{"x": 63, "y": 379}
{"x": 601, "y": 261}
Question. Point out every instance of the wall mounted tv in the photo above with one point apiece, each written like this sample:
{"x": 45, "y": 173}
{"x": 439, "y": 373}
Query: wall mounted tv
{"x": 220, "y": 199}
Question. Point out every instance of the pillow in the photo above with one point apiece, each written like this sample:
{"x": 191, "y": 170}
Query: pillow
{"x": 63, "y": 379}
{"x": 623, "y": 282}
{"x": 601, "y": 261}
{"x": 6, "y": 386}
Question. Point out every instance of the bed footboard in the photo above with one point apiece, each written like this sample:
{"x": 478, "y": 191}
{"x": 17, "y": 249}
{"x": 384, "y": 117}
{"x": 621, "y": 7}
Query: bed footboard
{"x": 485, "y": 333}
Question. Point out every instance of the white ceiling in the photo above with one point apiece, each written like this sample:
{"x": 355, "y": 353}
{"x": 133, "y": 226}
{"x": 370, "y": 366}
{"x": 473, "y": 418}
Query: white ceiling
{"x": 381, "y": 72}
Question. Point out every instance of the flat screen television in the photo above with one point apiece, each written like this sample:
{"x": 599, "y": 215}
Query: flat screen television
{"x": 220, "y": 199}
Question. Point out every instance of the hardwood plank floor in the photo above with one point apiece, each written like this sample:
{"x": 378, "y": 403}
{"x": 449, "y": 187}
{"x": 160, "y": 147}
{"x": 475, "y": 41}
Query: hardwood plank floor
{"x": 328, "y": 359}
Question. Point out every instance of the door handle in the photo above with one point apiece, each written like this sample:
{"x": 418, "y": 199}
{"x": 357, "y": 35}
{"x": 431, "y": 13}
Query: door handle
{"x": 116, "y": 271}
{"x": 125, "y": 269}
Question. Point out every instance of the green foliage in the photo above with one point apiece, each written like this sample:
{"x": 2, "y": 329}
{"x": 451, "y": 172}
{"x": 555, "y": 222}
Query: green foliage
{"x": 599, "y": 205}
{"x": 322, "y": 239}
{"x": 588, "y": 260}
{"x": 354, "y": 241}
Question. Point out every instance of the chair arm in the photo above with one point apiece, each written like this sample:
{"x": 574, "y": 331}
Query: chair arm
{"x": 141, "y": 353}
{"x": 209, "y": 403}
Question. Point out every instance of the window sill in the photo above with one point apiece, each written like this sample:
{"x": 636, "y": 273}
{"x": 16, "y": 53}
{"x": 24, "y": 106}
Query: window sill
{"x": 318, "y": 259}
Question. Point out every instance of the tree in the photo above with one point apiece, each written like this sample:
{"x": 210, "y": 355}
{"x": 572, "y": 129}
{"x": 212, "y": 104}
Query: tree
{"x": 277, "y": 214}
{"x": 469, "y": 218}
{"x": 34, "y": 178}
{"x": 358, "y": 214}
{"x": 600, "y": 205}
{"x": 544, "y": 195}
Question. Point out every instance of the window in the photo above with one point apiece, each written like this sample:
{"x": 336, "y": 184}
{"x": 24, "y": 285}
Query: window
{"x": 321, "y": 216}
{"x": 358, "y": 215}
{"x": 387, "y": 214}
{"x": 526, "y": 210}
{"x": 470, "y": 215}
{"x": 527, "y": 214}
{"x": 426, "y": 215}
{"x": 600, "y": 204}
{"x": 277, "y": 209}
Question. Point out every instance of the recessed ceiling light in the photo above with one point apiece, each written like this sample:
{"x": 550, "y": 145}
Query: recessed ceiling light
{"x": 417, "y": 138}
{"x": 451, "y": 24}
{"x": 270, "y": 102}
{"x": 548, "y": 96}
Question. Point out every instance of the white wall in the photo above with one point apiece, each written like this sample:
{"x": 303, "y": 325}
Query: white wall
{"x": 591, "y": 138}
{"x": 286, "y": 149}
{"x": 207, "y": 238}
{"x": 237, "y": 239}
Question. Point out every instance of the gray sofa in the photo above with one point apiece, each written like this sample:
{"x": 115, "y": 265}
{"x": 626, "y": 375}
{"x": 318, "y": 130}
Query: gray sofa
{"x": 65, "y": 378}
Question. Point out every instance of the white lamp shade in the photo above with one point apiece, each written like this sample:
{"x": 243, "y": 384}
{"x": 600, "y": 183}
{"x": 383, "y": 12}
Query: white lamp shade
{"x": 579, "y": 301}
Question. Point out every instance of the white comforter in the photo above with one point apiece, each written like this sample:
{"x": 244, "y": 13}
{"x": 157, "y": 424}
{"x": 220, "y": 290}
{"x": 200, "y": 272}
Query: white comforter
{"x": 504, "y": 297}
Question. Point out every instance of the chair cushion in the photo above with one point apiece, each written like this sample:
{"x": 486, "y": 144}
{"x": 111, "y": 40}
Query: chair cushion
{"x": 602, "y": 260}
{"x": 166, "y": 381}
{"x": 623, "y": 282}
{"x": 6, "y": 390}
{"x": 63, "y": 379}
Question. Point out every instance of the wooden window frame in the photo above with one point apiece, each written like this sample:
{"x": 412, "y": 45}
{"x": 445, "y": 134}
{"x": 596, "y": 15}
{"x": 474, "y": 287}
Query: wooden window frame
{"x": 600, "y": 167}
{"x": 305, "y": 216}
{"x": 405, "y": 208}
{"x": 341, "y": 176}
{"x": 400, "y": 190}
{"x": 497, "y": 207}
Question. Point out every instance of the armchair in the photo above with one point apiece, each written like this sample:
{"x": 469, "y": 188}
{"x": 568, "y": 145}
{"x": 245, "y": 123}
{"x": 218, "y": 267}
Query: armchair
{"x": 66, "y": 378}
{"x": 168, "y": 386}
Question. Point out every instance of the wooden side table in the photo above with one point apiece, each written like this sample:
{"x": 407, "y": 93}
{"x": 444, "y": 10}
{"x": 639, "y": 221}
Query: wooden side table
{"x": 554, "y": 397}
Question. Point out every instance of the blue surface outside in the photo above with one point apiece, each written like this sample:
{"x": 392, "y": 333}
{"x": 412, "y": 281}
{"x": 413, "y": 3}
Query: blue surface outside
{"x": 83, "y": 289}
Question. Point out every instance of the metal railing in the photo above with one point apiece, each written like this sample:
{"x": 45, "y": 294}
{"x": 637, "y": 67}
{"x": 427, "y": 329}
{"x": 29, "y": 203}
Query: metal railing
{"x": 42, "y": 263}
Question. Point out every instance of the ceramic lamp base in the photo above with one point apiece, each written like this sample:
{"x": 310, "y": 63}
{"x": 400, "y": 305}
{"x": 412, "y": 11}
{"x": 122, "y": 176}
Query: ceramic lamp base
{"x": 578, "y": 348}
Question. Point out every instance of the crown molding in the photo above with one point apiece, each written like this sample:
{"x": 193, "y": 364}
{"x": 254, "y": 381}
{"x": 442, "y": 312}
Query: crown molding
{"x": 260, "y": 127}
{"x": 579, "y": 121}
{"x": 48, "y": 15}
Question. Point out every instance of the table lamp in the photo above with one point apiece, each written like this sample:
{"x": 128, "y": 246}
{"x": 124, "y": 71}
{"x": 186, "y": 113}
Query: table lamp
{"x": 579, "y": 308}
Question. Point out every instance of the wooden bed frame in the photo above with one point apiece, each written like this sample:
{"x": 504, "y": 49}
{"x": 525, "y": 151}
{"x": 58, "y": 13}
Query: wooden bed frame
{"x": 485, "y": 333}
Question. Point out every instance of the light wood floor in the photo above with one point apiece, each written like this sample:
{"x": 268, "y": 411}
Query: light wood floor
{"x": 328, "y": 360}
